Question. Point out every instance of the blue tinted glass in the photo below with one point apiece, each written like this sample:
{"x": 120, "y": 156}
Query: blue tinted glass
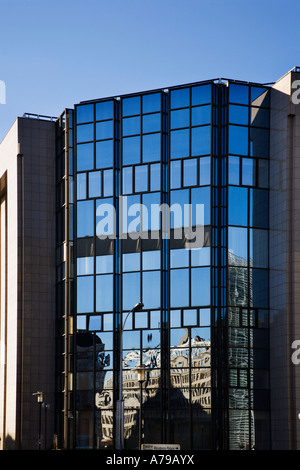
{"x": 238, "y": 94}
{"x": 200, "y": 196}
{"x": 131, "y": 262}
{"x": 85, "y": 294}
{"x": 131, "y": 290}
{"x": 131, "y": 150}
{"x": 104, "y": 110}
{"x": 179, "y": 288}
{"x": 237, "y": 206}
{"x": 263, "y": 173}
{"x": 201, "y": 115}
{"x": 151, "y": 103}
{"x": 180, "y": 98}
{"x": 204, "y": 315}
{"x": 200, "y": 140}
{"x": 238, "y": 140}
{"x": 104, "y": 154}
{"x": 108, "y": 183}
{"x": 238, "y": 114}
{"x": 259, "y": 208}
{"x": 234, "y": 170}
{"x": 85, "y": 265}
{"x": 155, "y": 177}
{"x": 151, "y": 148}
{"x": 104, "y": 293}
{"x": 85, "y": 218}
{"x": 104, "y": 130}
{"x": 258, "y": 246}
{"x": 151, "y": 122}
{"x": 141, "y": 178}
{"x": 190, "y": 317}
{"x": 260, "y": 117}
{"x": 151, "y": 289}
{"x": 260, "y": 96}
{"x": 127, "y": 180}
{"x": 85, "y": 132}
{"x": 105, "y": 218}
{"x": 175, "y": 318}
{"x": 200, "y": 256}
{"x": 104, "y": 264}
{"x": 201, "y": 94}
{"x": 131, "y": 106}
{"x": 259, "y": 142}
{"x": 190, "y": 172}
{"x": 237, "y": 246}
{"x": 85, "y": 157}
{"x": 259, "y": 295}
{"x": 179, "y": 258}
{"x": 151, "y": 214}
{"x": 85, "y": 113}
{"x": 95, "y": 322}
{"x": 179, "y": 143}
{"x": 248, "y": 172}
{"x": 204, "y": 164}
{"x": 180, "y": 118}
{"x": 175, "y": 174}
{"x": 178, "y": 198}
{"x": 81, "y": 186}
{"x": 200, "y": 286}
{"x": 131, "y": 125}
{"x": 95, "y": 184}
{"x": 151, "y": 260}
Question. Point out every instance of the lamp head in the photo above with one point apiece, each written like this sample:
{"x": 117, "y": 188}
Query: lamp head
{"x": 138, "y": 307}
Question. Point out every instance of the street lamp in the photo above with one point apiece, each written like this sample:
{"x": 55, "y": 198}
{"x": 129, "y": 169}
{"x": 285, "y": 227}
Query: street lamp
{"x": 120, "y": 403}
{"x": 40, "y": 399}
{"x": 141, "y": 376}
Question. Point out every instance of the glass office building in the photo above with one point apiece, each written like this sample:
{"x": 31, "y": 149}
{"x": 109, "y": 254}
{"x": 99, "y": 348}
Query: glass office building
{"x": 183, "y": 201}
{"x": 200, "y": 269}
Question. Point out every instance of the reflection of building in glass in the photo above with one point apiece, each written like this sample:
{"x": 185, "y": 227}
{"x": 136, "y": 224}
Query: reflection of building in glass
{"x": 218, "y": 280}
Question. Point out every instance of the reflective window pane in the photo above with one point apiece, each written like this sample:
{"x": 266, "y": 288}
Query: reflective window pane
{"x": 190, "y": 172}
{"x": 151, "y": 102}
{"x": 201, "y": 115}
{"x": 108, "y": 183}
{"x": 200, "y": 256}
{"x": 155, "y": 177}
{"x": 259, "y": 208}
{"x": 104, "y": 110}
{"x": 237, "y": 246}
{"x": 238, "y": 94}
{"x": 234, "y": 170}
{"x": 131, "y": 261}
{"x": 201, "y": 197}
{"x": 201, "y": 94}
{"x": 180, "y": 118}
{"x": 85, "y": 218}
{"x": 127, "y": 180}
{"x": 131, "y": 290}
{"x": 259, "y": 142}
{"x": 151, "y": 122}
{"x": 84, "y": 113}
{"x": 201, "y": 140}
{"x": 81, "y": 186}
{"x": 131, "y": 106}
{"x": 95, "y": 184}
{"x": 175, "y": 174}
{"x": 104, "y": 264}
{"x": 151, "y": 260}
{"x": 104, "y": 293}
{"x": 151, "y": 289}
{"x": 104, "y": 130}
{"x": 141, "y": 178}
{"x": 131, "y": 150}
{"x": 179, "y": 258}
{"x": 238, "y": 114}
{"x": 237, "y": 206}
{"x": 85, "y": 157}
{"x": 85, "y": 132}
{"x": 151, "y": 147}
{"x": 85, "y": 265}
{"x": 200, "y": 286}
{"x": 248, "y": 171}
{"x": 238, "y": 140}
{"x": 179, "y": 143}
{"x": 85, "y": 294}
{"x": 104, "y": 154}
{"x": 131, "y": 126}
{"x": 258, "y": 249}
{"x": 179, "y": 287}
{"x": 204, "y": 164}
{"x": 180, "y": 98}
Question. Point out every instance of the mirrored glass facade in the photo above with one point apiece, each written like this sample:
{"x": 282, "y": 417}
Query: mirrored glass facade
{"x": 167, "y": 205}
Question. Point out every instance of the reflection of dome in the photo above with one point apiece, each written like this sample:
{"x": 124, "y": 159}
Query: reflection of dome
{"x": 86, "y": 340}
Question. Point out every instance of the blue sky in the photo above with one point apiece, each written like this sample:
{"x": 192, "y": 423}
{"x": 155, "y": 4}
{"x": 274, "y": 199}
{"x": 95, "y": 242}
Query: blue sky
{"x": 54, "y": 54}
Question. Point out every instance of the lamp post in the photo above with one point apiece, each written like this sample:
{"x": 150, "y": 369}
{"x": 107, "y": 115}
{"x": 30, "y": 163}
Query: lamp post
{"x": 120, "y": 402}
{"x": 40, "y": 399}
{"x": 141, "y": 379}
